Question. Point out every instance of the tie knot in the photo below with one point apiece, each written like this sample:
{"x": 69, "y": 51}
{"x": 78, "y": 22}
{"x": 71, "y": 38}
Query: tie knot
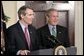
{"x": 26, "y": 27}
{"x": 53, "y": 28}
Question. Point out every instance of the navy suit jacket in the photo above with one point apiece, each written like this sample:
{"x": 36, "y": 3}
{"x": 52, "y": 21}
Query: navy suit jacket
{"x": 16, "y": 41}
{"x": 62, "y": 36}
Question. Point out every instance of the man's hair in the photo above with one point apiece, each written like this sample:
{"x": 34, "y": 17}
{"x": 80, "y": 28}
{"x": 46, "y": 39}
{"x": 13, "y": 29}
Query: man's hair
{"x": 49, "y": 10}
{"x": 22, "y": 11}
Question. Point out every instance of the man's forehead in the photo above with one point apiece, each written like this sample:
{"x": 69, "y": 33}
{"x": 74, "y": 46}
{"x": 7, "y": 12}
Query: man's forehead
{"x": 29, "y": 11}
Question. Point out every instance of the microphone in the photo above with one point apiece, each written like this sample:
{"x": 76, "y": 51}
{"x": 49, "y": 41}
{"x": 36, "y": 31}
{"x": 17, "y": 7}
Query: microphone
{"x": 54, "y": 40}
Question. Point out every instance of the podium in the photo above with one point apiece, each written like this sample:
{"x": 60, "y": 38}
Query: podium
{"x": 70, "y": 51}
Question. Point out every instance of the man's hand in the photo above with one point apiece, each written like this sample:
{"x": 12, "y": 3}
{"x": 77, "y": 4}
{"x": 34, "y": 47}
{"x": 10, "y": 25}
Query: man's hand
{"x": 24, "y": 52}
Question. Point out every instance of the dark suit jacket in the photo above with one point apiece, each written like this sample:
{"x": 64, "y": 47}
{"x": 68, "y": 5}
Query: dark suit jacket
{"x": 16, "y": 39}
{"x": 44, "y": 33}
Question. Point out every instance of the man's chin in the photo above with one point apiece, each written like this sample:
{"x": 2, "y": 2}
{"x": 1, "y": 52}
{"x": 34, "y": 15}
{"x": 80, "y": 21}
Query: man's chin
{"x": 30, "y": 23}
{"x": 54, "y": 24}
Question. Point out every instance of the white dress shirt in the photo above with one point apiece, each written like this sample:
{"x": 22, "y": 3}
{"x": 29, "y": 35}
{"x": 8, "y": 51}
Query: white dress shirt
{"x": 50, "y": 28}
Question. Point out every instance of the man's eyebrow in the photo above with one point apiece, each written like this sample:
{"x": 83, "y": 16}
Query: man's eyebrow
{"x": 31, "y": 14}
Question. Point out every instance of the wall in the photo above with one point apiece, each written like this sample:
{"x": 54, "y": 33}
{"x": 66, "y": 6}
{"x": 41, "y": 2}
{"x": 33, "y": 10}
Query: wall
{"x": 79, "y": 27}
{"x": 10, "y": 10}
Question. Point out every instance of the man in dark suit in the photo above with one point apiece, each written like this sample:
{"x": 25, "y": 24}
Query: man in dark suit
{"x": 22, "y": 37}
{"x": 60, "y": 33}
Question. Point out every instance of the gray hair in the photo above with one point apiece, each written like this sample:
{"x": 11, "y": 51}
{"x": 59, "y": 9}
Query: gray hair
{"x": 22, "y": 10}
{"x": 49, "y": 10}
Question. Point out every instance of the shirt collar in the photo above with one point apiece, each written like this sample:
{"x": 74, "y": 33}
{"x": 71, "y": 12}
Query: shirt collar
{"x": 23, "y": 27}
{"x": 50, "y": 28}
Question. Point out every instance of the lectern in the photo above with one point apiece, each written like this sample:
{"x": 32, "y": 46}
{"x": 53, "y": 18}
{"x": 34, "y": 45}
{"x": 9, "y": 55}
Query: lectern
{"x": 70, "y": 51}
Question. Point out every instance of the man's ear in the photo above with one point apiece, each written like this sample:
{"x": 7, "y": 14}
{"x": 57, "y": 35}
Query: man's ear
{"x": 47, "y": 18}
{"x": 22, "y": 16}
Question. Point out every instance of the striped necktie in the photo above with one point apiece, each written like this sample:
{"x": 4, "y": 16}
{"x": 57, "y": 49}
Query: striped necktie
{"x": 27, "y": 36}
{"x": 53, "y": 31}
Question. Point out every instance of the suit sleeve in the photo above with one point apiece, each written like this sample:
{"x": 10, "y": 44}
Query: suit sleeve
{"x": 66, "y": 42}
{"x": 39, "y": 37}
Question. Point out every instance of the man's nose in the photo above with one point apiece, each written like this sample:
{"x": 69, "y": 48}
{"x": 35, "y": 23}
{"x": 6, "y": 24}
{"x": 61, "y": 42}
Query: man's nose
{"x": 32, "y": 16}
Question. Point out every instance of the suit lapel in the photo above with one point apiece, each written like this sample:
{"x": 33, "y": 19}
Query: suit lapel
{"x": 31, "y": 35}
{"x": 21, "y": 33}
{"x": 59, "y": 33}
{"x": 47, "y": 30}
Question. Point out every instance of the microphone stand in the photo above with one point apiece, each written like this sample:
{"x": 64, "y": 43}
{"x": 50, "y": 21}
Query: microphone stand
{"x": 54, "y": 40}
